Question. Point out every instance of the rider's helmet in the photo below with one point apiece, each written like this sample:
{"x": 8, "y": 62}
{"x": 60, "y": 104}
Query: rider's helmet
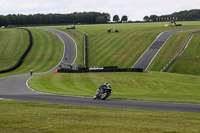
{"x": 107, "y": 86}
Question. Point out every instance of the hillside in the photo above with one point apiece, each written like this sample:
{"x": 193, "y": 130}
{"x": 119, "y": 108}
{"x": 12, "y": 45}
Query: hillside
{"x": 120, "y": 49}
{"x": 189, "y": 61}
{"x": 45, "y": 54}
{"x": 13, "y": 43}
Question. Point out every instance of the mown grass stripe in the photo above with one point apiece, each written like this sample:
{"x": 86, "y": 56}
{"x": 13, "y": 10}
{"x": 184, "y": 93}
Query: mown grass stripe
{"x": 12, "y": 49}
{"x": 150, "y": 86}
{"x": 189, "y": 61}
{"x": 36, "y": 59}
{"x": 169, "y": 50}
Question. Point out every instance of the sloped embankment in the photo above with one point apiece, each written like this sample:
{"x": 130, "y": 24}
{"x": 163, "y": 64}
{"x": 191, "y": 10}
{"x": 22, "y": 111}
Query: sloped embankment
{"x": 22, "y": 57}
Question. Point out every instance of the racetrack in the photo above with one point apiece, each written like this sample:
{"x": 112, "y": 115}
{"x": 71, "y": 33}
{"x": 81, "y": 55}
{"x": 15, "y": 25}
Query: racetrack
{"x": 145, "y": 60}
{"x": 15, "y": 88}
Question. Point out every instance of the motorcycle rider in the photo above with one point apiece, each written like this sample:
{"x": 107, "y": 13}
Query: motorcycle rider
{"x": 101, "y": 89}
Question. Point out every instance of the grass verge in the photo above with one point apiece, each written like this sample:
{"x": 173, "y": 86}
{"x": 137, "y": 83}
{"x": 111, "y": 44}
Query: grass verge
{"x": 169, "y": 50}
{"x": 23, "y": 117}
{"x": 189, "y": 61}
{"x": 45, "y": 54}
{"x": 119, "y": 49}
{"x": 13, "y": 43}
{"x": 77, "y": 36}
{"x": 150, "y": 86}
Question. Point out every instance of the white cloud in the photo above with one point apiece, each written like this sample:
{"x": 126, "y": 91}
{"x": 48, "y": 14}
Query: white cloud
{"x": 29, "y": 5}
{"x": 135, "y": 9}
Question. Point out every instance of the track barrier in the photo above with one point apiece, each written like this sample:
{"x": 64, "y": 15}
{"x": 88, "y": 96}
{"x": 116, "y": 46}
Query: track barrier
{"x": 23, "y": 56}
{"x": 85, "y": 52}
{"x": 180, "y": 52}
{"x": 100, "y": 69}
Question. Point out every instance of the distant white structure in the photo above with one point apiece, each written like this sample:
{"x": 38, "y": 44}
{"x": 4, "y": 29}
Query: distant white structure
{"x": 3, "y": 27}
{"x": 166, "y": 25}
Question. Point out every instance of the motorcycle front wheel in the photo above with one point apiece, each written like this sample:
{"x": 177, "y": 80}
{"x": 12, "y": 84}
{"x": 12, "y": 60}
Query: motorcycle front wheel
{"x": 103, "y": 96}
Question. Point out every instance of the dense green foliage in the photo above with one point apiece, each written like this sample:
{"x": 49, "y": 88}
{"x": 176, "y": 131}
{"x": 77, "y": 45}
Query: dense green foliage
{"x": 31, "y": 117}
{"x": 151, "y": 86}
{"x": 45, "y": 54}
{"x": 115, "y": 18}
{"x": 13, "y": 44}
{"x": 73, "y": 18}
{"x": 191, "y": 15}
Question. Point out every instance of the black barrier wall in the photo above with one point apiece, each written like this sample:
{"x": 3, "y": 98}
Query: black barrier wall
{"x": 23, "y": 56}
{"x": 85, "y": 52}
{"x": 106, "y": 69}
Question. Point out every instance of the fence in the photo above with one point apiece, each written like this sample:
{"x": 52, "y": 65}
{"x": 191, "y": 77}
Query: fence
{"x": 85, "y": 52}
{"x": 105, "y": 69}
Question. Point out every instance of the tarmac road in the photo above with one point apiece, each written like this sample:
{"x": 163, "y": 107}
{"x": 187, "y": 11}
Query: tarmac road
{"x": 70, "y": 48}
{"x": 145, "y": 60}
{"x": 110, "y": 103}
{"x": 15, "y": 88}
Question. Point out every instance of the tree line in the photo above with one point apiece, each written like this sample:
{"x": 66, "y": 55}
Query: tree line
{"x": 45, "y": 19}
{"x": 116, "y": 19}
{"x": 191, "y": 15}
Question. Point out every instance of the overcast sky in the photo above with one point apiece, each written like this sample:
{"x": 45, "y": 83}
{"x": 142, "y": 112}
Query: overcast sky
{"x": 134, "y": 9}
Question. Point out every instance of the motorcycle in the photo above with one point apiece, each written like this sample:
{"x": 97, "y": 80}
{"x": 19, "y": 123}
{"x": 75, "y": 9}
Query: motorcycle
{"x": 103, "y": 92}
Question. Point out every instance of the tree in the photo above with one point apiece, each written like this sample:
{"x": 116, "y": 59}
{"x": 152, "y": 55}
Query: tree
{"x": 153, "y": 18}
{"x": 100, "y": 20}
{"x": 124, "y": 19}
{"x": 107, "y": 17}
{"x": 116, "y": 18}
{"x": 72, "y": 18}
{"x": 146, "y": 18}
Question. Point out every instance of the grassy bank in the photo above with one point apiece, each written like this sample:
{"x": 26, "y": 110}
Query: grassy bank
{"x": 45, "y": 54}
{"x": 151, "y": 86}
{"x": 119, "y": 49}
{"x": 13, "y": 43}
{"x": 189, "y": 61}
{"x": 169, "y": 50}
{"x": 23, "y": 117}
{"x": 77, "y": 36}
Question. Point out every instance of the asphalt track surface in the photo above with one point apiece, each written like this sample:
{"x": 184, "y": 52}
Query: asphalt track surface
{"x": 145, "y": 60}
{"x": 15, "y": 88}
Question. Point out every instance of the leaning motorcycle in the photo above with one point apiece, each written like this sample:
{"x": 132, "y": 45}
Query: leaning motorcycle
{"x": 103, "y": 92}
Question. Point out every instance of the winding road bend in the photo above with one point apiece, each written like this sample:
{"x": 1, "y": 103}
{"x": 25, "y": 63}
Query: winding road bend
{"x": 145, "y": 60}
{"x": 15, "y": 88}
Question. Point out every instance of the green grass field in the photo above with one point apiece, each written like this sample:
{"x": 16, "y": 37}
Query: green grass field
{"x": 45, "y": 54}
{"x": 189, "y": 61}
{"x": 13, "y": 44}
{"x": 169, "y": 50}
{"x": 119, "y": 49}
{"x": 31, "y": 117}
{"x": 149, "y": 86}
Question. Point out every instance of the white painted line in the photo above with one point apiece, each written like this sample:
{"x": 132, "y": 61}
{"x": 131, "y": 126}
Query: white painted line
{"x": 147, "y": 49}
{"x": 63, "y": 51}
{"x": 50, "y": 93}
{"x": 64, "y": 46}
{"x": 157, "y": 53}
{"x": 4, "y": 99}
{"x": 57, "y": 64}
{"x": 75, "y": 45}
{"x": 30, "y": 87}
